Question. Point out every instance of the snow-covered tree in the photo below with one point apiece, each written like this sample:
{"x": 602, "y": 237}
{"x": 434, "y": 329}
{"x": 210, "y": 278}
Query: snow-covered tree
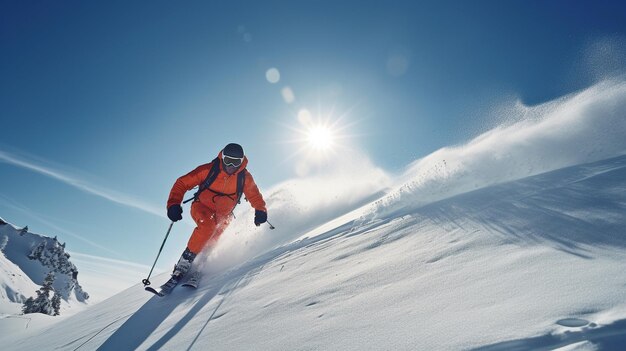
{"x": 56, "y": 304}
{"x": 51, "y": 254}
{"x": 41, "y": 303}
{"x": 29, "y": 305}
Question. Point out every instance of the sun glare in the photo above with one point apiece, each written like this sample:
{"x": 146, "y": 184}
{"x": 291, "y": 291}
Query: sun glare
{"x": 320, "y": 138}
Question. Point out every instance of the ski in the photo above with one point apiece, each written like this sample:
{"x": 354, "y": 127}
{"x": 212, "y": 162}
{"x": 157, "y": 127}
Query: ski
{"x": 155, "y": 291}
{"x": 193, "y": 280}
{"x": 164, "y": 289}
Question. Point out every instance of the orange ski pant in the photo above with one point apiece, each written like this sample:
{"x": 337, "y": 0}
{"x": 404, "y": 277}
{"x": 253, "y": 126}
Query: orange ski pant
{"x": 209, "y": 227}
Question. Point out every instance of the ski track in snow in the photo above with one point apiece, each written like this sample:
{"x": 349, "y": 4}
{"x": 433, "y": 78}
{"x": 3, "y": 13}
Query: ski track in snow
{"x": 281, "y": 289}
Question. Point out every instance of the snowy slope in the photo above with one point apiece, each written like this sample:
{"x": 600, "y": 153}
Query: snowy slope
{"x": 536, "y": 263}
{"x": 14, "y": 284}
{"x": 21, "y": 275}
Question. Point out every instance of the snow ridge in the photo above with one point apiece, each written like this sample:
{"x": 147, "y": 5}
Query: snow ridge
{"x": 27, "y": 259}
{"x": 581, "y": 128}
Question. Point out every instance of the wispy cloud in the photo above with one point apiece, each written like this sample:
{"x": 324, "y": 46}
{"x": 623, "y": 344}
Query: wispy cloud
{"x": 104, "y": 277}
{"x": 111, "y": 195}
{"x": 42, "y": 219}
{"x": 110, "y": 261}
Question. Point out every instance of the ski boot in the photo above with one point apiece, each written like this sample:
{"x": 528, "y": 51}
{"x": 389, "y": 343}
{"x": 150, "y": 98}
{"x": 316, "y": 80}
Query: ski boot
{"x": 181, "y": 268}
{"x": 183, "y": 265}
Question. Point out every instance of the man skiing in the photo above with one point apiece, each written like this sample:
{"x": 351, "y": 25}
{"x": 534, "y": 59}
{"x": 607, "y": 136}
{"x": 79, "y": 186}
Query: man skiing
{"x": 220, "y": 189}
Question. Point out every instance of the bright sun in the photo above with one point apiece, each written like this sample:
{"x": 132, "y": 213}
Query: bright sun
{"x": 317, "y": 138}
{"x": 320, "y": 138}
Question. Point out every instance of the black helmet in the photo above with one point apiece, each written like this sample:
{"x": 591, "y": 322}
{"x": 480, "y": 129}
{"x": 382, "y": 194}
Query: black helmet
{"x": 233, "y": 150}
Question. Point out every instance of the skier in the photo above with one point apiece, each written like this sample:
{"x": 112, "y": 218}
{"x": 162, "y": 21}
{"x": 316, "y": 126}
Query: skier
{"x": 219, "y": 192}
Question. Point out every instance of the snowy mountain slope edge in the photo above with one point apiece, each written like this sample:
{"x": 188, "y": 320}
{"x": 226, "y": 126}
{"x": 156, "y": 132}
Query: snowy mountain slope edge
{"x": 30, "y": 257}
{"x": 506, "y": 263}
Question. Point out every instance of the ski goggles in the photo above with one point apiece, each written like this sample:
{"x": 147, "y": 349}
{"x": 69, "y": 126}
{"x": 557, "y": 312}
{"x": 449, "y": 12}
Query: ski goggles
{"x": 232, "y": 161}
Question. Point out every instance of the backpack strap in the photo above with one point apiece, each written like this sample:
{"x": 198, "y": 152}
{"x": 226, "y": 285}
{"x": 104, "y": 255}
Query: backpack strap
{"x": 241, "y": 182}
{"x": 210, "y": 178}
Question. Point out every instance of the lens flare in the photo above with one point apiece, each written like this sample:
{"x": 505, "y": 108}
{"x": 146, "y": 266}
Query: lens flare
{"x": 272, "y": 75}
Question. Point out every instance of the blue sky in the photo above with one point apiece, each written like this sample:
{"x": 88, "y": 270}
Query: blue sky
{"x": 104, "y": 104}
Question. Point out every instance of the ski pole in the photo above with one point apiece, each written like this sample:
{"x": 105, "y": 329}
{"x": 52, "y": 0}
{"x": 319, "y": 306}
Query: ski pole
{"x": 146, "y": 281}
{"x": 271, "y": 226}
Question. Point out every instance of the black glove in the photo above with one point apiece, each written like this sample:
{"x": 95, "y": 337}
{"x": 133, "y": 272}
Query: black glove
{"x": 175, "y": 213}
{"x": 260, "y": 217}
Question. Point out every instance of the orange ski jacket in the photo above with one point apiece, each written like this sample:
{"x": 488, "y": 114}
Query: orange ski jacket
{"x": 213, "y": 197}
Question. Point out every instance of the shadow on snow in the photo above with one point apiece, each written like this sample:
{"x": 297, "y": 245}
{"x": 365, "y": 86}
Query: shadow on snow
{"x": 610, "y": 337}
{"x": 561, "y": 203}
{"x": 569, "y": 209}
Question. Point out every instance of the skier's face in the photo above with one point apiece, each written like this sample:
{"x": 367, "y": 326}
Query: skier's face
{"x": 230, "y": 169}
